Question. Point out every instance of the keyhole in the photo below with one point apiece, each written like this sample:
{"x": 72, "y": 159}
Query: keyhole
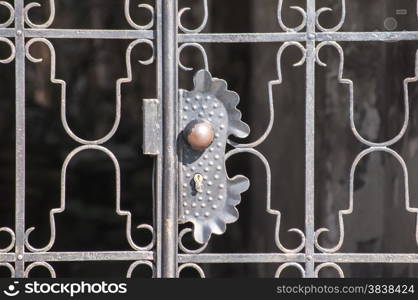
{"x": 198, "y": 182}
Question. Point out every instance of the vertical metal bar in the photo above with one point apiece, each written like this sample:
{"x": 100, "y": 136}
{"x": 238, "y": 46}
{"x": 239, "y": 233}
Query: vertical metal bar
{"x": 20, "y": 138}
{"x": 310, "y": 139}
{"x": 169, "y": 93}
{"x": 158, "y": 171}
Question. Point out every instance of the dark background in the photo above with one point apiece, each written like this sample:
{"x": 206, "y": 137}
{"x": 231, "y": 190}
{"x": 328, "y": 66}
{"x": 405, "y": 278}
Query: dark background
{"x": 379, "y": 223}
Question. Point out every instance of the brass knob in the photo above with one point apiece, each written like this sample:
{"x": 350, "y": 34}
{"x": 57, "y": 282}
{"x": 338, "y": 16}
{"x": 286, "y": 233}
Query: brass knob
{"x": 199, "y": 134}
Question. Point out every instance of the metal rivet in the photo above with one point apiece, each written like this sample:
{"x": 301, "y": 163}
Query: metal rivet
{"x": 185, "y": 118}
{"x": 206, "y": 156}
{"x": 214, "y": 206}
{"x": 201, "y": 114}
{"x": 222, "y": 126}
{"x": 194, "y": 204}
{"x": 216, "y": 156}
{"x": 203, "y": 205}
{"x": 215, "y": 105}
{"x": 200, "y": 163}
{"x": 220, "y": 197}
{"x": 198, "y": 97}
{"x": 210, "y": 199}
{"x": 185, "y": 204}
{"x": 188, "y": 175}
{"x": 208, "y": 192}
{"x": 308, "y": 258}
{"x": 19, "y": 32}
{"x": 206, "y": 169}
{"x": 210, "y": 183}
{"x": 184, "y": 194}
{"x": 219, "y": 145}
{"x": 185, "y": 185}
{"x": 186, "y": 108}
{"x": 20, "y": 257}
{"x": 221, "y": 115}
{"x": 200, "y": 198}
{"x": 211, "y": 113}
{"x": 208, "y": 98}
{"x": 211, "y": 163}
{"x": 312, "y": 36}
{"x": 216, "y": 176}
{"x": 196, "y": 214}
{"x": 205, "y": 106}
{"x": 187, "y": 212}
{"x": 194, "y": 107}
{"x": 219, "y": 168}
{"x": 221, "y": 186}
{"x": 207, "y": 214}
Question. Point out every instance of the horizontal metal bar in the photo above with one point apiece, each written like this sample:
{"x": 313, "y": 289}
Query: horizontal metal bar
{"x": 219, "y": 258}
{"x": 89, "y": 256}
{"x": 285, "y": 36}
{"x": 368, "y": 36}
{"x": 393, "y": 258}
{"x": 89, "y": 34}
{"x": 7, "y": 32}
{"x": 217, "y": 37}
{"x": 7, "y": 257}
{"x": 213, "y": 258}
{"x": 241, "y": 37}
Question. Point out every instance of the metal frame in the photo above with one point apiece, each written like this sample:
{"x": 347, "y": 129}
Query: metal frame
{"x": 162, "y": 33}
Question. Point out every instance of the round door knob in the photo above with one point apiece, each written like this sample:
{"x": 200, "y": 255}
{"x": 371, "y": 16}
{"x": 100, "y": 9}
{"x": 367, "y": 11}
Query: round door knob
{"x": 199, "y": 134}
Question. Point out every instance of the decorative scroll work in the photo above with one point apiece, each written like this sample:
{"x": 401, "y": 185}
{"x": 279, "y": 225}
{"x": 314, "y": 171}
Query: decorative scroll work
{"x": 290, "y": 265}
{"x": 40, "y": 264}
{"x": 280, "y": 18}
{"x": 201, "y": 26}
{"x": 191, "y": 266}
{"x": 136, "y": 264}
{"x": 48, "y": 22}
{"x": 198, "y": 47}
{"x": 147, "y": 7}
{"x": 373, "y": 147}
{"x": 11, "y": 12}
{"x": 89, "y": 145}
{"x": 330, "y": 266}
{"x": 12, "y": 55}
{"x": 327, "y": 9}
{"x": 10, "y": 268}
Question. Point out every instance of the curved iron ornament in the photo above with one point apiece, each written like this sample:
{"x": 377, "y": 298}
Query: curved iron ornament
{"x": 201, "y": 50}
{"x": 11, "y": 18}
{"x": 328, "y": 9}
{"x": 201, "y": 26}
{"x": 10, "y": 268}
{"x": 138, "y": 263}
{"x": 131, "y": 22}
{"x": 12, "y": 55}
{"x": 290, "y": 265}
{"x": 48, "y": 22}
{"x": 329, "y": 265}
{"x": 193, "y": 266}
{"x": 373, "y": 147}
{"x": 40, "y": 264}
{"x": 89, "y": 145}
{"x": 299, "y": 9}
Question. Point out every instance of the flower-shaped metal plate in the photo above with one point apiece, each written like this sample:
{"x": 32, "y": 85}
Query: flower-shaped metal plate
{"x": 208, "y": 116}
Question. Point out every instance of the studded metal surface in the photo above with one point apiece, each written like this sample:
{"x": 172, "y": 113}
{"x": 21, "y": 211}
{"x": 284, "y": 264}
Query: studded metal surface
{"x": 211, "y": 204}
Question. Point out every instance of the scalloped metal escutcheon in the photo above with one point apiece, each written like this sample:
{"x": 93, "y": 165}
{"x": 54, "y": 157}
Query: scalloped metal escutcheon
{"x": 208, "y": 116}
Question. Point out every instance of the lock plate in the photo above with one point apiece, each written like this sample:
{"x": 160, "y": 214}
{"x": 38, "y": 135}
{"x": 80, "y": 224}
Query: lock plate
{"x": 208, "y": 116}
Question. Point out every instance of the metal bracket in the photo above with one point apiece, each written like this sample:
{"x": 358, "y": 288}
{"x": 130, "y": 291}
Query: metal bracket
{"x": 151, "y": 127}
{"x": 208, "y": 115}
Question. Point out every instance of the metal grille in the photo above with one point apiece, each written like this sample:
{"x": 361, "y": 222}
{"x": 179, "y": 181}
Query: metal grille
{"x": 166, "y": 255}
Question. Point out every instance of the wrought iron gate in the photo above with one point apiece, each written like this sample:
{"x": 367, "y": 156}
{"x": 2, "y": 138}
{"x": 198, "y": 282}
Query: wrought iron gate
{"x": 191, "y": 183}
